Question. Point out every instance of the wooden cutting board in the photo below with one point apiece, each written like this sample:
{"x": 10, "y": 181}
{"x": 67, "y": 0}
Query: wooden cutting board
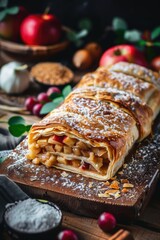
{"x": 79, "y": 194}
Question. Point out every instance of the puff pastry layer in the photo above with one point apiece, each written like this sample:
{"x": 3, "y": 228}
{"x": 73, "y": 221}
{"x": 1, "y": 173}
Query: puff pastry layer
{"x": 97, "y": 125}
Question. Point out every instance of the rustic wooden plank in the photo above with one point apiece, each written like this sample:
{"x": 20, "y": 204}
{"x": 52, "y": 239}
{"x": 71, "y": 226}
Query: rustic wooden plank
{"x": 72, "y": 192}
{"x": 140, "y": 233}
{"x": 87, "y": 229}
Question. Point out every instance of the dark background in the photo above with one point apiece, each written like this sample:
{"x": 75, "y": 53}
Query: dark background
{"x": 138, "y": 14}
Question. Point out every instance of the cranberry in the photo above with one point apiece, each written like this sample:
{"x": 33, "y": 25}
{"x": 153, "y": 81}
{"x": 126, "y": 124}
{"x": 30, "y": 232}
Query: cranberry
{"x": 29, "y": 103}
{"x": 36, "y": 109}
{"x": 67, "y": 235}
{"x": 43, "y": 97}
{"x": 53, "y": 90}
{"x": 106, "y": 221}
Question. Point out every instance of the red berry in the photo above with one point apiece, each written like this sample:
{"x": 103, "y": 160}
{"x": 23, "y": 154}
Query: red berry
{"x": 36, "y": 109}
{"x": 106, "y": 221}
{"x": 67, "y": 235}
{"x": 43, "y": 97}
{"x": 29, "y": 103}
{"x": 53, "y": 90}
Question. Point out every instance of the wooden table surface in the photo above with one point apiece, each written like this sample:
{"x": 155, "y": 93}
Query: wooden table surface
{"x": 147, "y": 227}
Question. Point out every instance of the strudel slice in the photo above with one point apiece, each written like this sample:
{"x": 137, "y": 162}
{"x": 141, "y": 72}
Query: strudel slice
{"x": 89, "y": 134}
{"x": 146, "y": 91}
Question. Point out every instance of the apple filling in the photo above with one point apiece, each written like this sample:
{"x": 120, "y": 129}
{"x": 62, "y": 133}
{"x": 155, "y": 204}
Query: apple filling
{"x": 65, "y": 150}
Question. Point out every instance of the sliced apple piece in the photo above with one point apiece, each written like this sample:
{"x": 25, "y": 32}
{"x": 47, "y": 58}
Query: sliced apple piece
{"x": 51, "y": 161}
{"x": 85, "y": 153}
{"x": 67, "y": 150}
{"x": 56, "y": 139}
{"x": 61, "y": 160}
{"x": 76, "y": 163}
{"x": 69, "y": 141}
{"x": 58, "y": 148}
{"x": 49, "y": 148}
{"x": 76, "y": 151}
{"x": 82, "y": 145}
{"x": 42, "y": 142}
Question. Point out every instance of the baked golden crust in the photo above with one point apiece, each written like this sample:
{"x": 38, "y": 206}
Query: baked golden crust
{"x": 104, "y": 78}
{"x": 137, "y": 71}
{"x": 130, "y": 103}
{"x": 97, "y": 124}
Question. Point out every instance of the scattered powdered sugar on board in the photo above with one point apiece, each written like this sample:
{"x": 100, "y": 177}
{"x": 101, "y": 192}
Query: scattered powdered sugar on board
{"x": 32, "y": 216}
{"x": 142, "y": 163}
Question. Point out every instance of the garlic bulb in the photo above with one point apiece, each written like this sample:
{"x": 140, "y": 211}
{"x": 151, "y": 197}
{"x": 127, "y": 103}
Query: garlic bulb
{"x": 14, "y": 77}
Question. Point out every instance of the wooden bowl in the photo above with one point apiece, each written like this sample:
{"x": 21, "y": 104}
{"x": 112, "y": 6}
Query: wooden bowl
{"x": 20, "y": 50}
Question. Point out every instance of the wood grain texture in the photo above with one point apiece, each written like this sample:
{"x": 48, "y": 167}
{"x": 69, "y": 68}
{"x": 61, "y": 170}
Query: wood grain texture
{"x": 19, "y": 48}
{"x": 88, "y": 229}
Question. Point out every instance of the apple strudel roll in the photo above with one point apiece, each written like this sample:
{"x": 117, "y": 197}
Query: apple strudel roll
{"x": 90, "y": 133}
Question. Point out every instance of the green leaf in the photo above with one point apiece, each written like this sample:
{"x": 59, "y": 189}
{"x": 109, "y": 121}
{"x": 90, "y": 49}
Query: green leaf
{"x": 28, "y": 127}
{"x": 82, "y": 33}
{"x": 3, "y": 14}
{"x": 142, "y": 43}
{"x": 3, "y": 3}
{"x": 72, "y": 36}
{"x": 55, "y": 95}
{"x": 12, "y": 10}
{"x": 48, "y": 107}
{"x": 66, "y": 90}
{"x": 155, "y": 33}
{"x": 132, "y": 35}
{"x": 75, "y": 36}
{"x": 16, "y": 120}
{"x": 17, "y": 130}
{"x": 58, "y": 100}
{"x": 85, "y": 23}
{"x": 119, "y": 24}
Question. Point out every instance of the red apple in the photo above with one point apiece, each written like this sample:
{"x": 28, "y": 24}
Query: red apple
{"x": 41, "y": 29}
{"x": 10, "y": 25}
{"x": 125, "y": 53}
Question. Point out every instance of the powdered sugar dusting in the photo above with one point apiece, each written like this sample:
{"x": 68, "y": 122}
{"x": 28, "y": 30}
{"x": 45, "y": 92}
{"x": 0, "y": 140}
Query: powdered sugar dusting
{"x": 137, "y": 71}
{"x": 142, "y": 163}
